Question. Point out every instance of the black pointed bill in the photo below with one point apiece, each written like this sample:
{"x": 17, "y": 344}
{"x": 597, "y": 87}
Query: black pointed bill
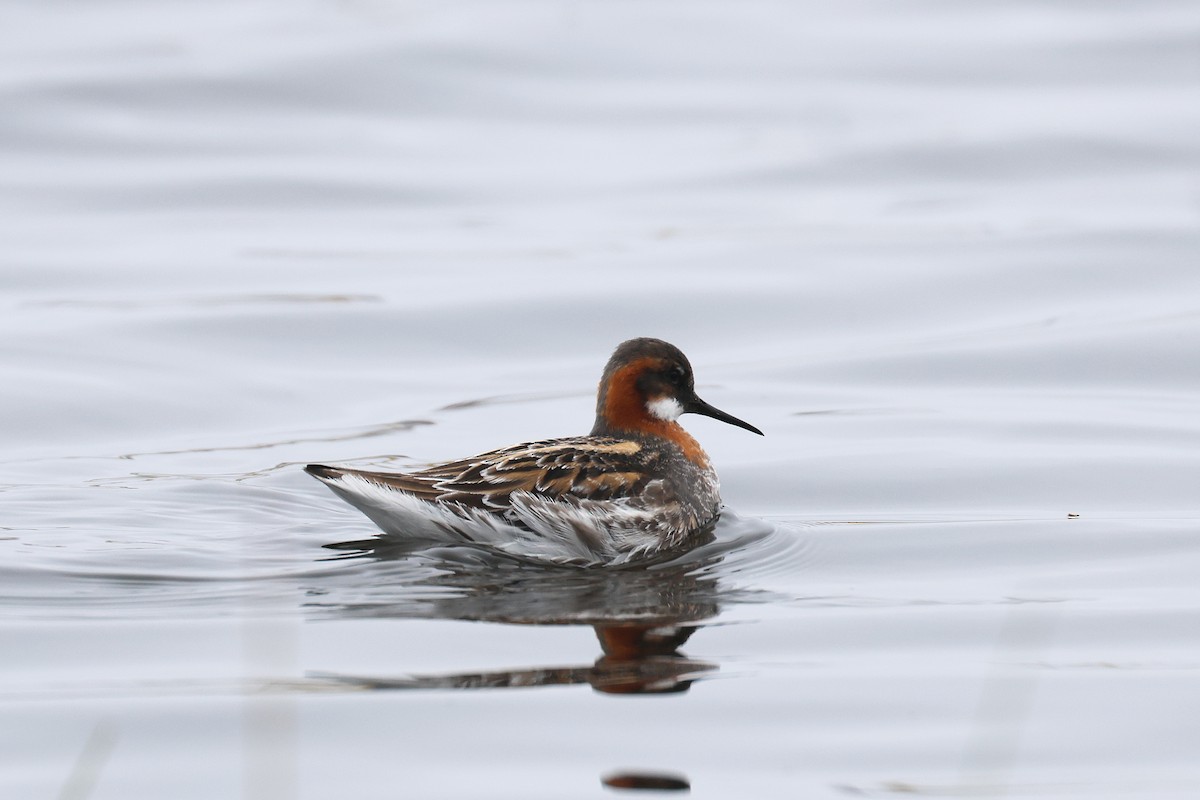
{"x": 698, "y": 406}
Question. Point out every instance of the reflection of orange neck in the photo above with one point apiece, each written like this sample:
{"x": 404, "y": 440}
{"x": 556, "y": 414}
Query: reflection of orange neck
{"x": 632, "y": 642}
{"x": 625, "y": 410}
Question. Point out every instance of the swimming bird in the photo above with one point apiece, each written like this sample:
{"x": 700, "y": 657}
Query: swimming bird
{"x": 636, "y": 486}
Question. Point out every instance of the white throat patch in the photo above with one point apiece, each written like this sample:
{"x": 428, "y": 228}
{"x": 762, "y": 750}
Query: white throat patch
{"x": 665, "y": 408}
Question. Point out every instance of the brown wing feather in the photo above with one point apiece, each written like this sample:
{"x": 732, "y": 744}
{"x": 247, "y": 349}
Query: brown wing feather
{"x": 587, "y": 467}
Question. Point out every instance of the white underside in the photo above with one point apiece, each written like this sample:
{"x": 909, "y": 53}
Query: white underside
{"x": 579, "y": 532}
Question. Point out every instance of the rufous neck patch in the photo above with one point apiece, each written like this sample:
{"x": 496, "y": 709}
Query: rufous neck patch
{"x": 625, "y": 409}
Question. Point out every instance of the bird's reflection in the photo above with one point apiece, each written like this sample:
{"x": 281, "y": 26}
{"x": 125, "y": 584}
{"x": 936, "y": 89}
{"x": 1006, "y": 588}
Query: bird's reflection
{"x": 634, "y": 671}
{"x": 642, "y": 615}
{"x": 642, "y": 659}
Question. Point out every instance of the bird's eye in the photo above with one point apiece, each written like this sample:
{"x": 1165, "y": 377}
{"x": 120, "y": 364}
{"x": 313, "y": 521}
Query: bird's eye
{"x": 676, "y": 375}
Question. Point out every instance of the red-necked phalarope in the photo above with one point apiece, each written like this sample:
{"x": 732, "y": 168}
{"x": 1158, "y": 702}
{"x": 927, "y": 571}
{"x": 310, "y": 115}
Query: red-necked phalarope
{"x": 636, "y": 485}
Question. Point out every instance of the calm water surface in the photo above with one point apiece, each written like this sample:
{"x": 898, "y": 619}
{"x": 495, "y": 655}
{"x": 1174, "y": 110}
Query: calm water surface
{"x": 945, "y": 257}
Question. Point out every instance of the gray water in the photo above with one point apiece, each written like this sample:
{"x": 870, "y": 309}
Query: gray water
{"x": 943, "y": 254}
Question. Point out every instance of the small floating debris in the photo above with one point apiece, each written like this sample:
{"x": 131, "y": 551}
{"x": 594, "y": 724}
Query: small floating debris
{"x": 655, "y": 781}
